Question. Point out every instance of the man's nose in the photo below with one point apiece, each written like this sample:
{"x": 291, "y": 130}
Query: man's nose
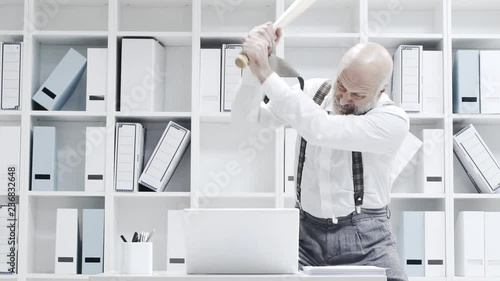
{"x": 345, "y": 99}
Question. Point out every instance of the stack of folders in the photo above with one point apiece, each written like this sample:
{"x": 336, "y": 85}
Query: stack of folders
{"x": 9, "y": 215}
{"x": 162, "y": 163}
{"x": 421, "y": 243}
{"x": 219, "y": 78}
{"x": 10, "y": 151}
{"x": 476, "y": 82}
{"x": 351, "y": 270}
{"x": 477, "y": 244}
{"x": 70, "y": 254}
{"x": 417, "y": 82}
{"x": 64, "y": 79}
{"x": 11, "y": 61}
{"x": 44, "y": 162}
{"x": 479, "y": 163}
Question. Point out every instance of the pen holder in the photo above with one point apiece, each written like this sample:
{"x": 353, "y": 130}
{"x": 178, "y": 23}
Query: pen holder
{"x": 137, "y": 258}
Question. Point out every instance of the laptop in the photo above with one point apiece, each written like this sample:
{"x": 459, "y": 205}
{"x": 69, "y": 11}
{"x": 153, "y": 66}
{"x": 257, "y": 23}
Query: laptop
{"x": 242, "y": 241}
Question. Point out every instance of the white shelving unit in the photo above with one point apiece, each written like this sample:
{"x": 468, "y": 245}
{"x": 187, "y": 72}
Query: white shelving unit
{"x": 223, "y": 167}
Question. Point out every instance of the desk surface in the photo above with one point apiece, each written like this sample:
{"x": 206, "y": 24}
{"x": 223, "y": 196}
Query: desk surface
{"x": 184, "y": 277}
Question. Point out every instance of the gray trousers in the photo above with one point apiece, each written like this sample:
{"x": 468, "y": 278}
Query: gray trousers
{"x": 357, "y": 239}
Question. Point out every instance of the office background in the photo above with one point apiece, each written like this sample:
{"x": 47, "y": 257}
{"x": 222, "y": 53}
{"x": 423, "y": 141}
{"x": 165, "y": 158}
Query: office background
{"x": 222, "y": 167}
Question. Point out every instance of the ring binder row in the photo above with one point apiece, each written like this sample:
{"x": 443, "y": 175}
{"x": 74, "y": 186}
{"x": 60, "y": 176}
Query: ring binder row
{"x": 475, "y": 230}
{"x": 421, "y": 243}
{"x": 417, "y": 81}
{"x": 44, "y": 162}
{"x": 73, "y": 254}
{"x": 160, "y": 167}
{"x": 11, "y": 78}
{"x": 219, "y": 78}
{"x": 476, "y": 82}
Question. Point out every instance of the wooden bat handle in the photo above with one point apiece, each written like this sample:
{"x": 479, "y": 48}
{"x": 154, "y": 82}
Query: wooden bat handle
{"x": 296, "y": 9}
{"x": 241, "y": 61}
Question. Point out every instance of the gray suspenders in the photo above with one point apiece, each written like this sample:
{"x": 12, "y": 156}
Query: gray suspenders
{"x": 284, "y": 70}
{"x": 357, "y": 159}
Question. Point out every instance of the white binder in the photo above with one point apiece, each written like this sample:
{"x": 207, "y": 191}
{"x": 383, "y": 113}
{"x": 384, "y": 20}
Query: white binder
{"x": 469, "y": 244}
{"x": 166, "y": 156}
{"x": 95, "y": 159}
{"x": 210, "y": 78}
{"x": 10, "y": 150}
{"x": 478, "y": 161}
{"x": 492, "y": 243}
{"x": 466, "y": 82}
{"x": 489, "y": 69}
{"x": 44, "y": 161}
{"x": 67, "y": 255}
{"x": 432, "y": 82}
{"x": 97, "y": 79}
{"x": 11, "y": 74}
{"x": 176, "y": 251}
{"x": 431, "y": 164}
{"x": 231, "y": 75}
{"x": 407, "y": 78}
{"x": 289, "y": 160}
{"x": 435, "y": 241}
{"x": 411, "y": 243}
{"x": 93, "y": 241}
{"x": 129, "y": 156}
{"x": 142, "y": 75}
{"x": 61, "y": 83}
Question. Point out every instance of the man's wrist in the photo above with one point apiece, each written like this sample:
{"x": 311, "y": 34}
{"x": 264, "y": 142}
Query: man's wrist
{"x": 263, "y": 75}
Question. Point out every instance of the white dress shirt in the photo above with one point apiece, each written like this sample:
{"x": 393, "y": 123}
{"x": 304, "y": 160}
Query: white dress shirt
{"x": 327, "y": 187}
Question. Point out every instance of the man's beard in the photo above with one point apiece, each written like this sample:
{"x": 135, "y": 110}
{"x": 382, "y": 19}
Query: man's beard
{"x": 351, "y": 109}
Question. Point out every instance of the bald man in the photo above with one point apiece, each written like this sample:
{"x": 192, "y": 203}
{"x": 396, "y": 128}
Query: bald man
{"x": 350, "y": 134}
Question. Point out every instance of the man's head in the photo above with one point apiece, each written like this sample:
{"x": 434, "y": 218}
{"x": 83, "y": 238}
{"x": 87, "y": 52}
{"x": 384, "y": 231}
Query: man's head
{"x": 363, "y": 76}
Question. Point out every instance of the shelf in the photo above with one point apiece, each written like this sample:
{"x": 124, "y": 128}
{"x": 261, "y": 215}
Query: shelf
{"x": 476, "y": 196}
{"x": 89, "y": 38}
{"x": 458, "y": 278}
{"x": 152, "y": 194}
{"x": 51, "y": 276}
{"x": 428, "y": 40}
{"x": 69, "y": 194}
{"x": 477, "y": 119}
{"x": 427, "y": 278}
{"x": 319, "y": 40}
{"x": 425, "y": 119}
{"x": 166, "y": 38}
{"x": 417, "y": 196}
{"x": 476, "y": 41}
{"x": 68, "y": 115}
{"x": 8, "y": 277}
{"x": 6, "y": 36}
{"x": 242, "y": 195}
{"x": 10, "y": 115}
{"x": 152, "y": 116}
{"x": 222, "y": 117}
{"x": 219, "y": 38}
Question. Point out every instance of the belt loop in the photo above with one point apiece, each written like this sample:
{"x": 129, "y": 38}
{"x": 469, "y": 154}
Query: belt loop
{"x": 388, "y": 211}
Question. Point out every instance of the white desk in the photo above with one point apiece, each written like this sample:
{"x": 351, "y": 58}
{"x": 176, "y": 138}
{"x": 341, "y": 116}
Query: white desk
{"x": 183, "y": 277}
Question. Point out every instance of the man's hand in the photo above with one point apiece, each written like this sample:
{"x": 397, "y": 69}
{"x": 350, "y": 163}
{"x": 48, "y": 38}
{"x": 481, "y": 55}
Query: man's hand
{"x": 257, "y": 46}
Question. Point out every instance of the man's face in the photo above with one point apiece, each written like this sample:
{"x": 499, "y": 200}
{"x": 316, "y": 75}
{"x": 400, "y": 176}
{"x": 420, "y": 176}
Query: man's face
{"x": 354, "y": 93}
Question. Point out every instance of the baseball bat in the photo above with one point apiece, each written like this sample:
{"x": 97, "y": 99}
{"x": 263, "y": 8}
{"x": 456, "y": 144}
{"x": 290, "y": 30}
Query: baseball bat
{"x": 297, "y": 8}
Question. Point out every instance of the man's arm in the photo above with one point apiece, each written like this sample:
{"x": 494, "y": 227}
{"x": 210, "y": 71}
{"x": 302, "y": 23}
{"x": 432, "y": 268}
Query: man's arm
{"x": 248, "y": 107}
{"x": 378, "y": 131}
